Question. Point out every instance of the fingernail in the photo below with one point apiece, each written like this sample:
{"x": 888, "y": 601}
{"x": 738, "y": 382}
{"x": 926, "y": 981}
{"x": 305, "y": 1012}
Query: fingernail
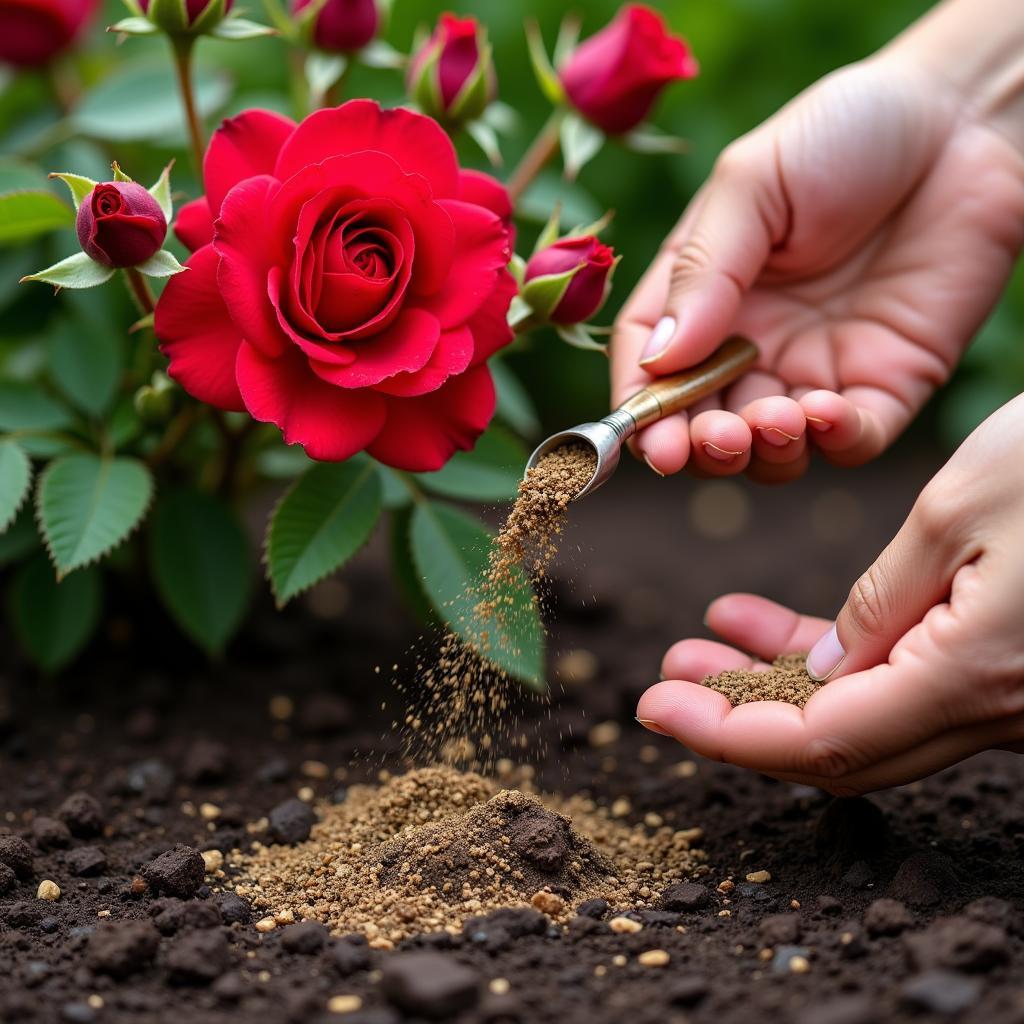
{"x": 651, "y": 465}
{"x": 719, "y": 454}
{"x": 777, "y": 437}
{"x": 659, "y": 340}
{"x": 826, "y": 656}
{"x": 651, "y": 726}
{"x": 818, "y": 424}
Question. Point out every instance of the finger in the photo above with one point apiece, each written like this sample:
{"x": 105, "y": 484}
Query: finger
{"x": 847, "y": 726}
{"x": 761, "y": 626}
{"x": 777, "y": 426}
{"x": 665, "y": 445}
{"x": 742, "y": 215}
{"x": 912, "y": 574}
{"x": 846, "y": 435}
{"x": 719, "y": 443}
{"x": 697, "y": 658}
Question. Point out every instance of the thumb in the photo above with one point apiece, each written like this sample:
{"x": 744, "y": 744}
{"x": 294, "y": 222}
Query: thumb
{"x": 743, "y": 213}
{"x": 911, "y": 576}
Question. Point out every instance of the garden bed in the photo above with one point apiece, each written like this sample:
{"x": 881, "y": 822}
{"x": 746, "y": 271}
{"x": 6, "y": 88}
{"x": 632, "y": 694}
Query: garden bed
{"x": 902, "y": 906}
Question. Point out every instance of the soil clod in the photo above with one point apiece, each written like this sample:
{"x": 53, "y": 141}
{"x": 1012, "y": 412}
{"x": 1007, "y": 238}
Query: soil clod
{"x": 430, "y": 984}
{"x": 178, "y": 872}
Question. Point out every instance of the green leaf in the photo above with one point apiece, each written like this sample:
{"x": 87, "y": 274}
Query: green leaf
{"x": 578, "y": 206}
{"x": 578, "y": 336}
{"x": 161, "y": 264}
{"x": 20, "y": 176}
{"x": 15, "y": 478}
{"x": 134, "y": 26}
{"x": 26, "y": 215}
{"x": 237, "y": 29}
{"x": 200, "y": 561}
{"x": 487, "y": 139}
{"x": 648, "y": 139}
{"x": 490, "y": 472}
{"x": 119, "y": 174}
{"x": 449, "y": 550}
{"x": 402, "y": 567}
{"x": 515, "y": 406}
{"x": 282, "y": 19}
{"x": 581, "y": 142}
{"x": 547, "y": 77}
{"x": 323, "y": 70}
{"x": 54, "y": 621}
{"x": 78, "y": 185}
{"x": 27, "y": 407}
{"x": 161, "y": 192}
{"x": 323, "y": 519}
{"x": 87, "y": 505}
{"x": 85, "y": 363}
{"x": 395, "y": 492}
{"x": 142, "y": 102}
{"x": 568, "y": 37}
{"x": 548, "y": 234}
{"x": 19, "y": 538}
{"x": 76, "y": 271}
{"x": 543, "y": 293}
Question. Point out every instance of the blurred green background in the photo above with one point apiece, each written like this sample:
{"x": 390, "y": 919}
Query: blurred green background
{"x": 754, "y": 55}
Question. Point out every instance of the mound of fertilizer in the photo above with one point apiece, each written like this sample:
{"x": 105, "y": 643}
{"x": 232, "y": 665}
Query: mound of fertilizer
{"x": 787, "y": 680}
{"x": 425, "y": 851}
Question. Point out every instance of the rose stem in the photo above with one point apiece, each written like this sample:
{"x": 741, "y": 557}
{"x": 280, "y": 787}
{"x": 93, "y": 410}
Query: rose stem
{"x": 140, "y": 290}
{"x": 183, "y": 64}
{"x": 544, "y": 147}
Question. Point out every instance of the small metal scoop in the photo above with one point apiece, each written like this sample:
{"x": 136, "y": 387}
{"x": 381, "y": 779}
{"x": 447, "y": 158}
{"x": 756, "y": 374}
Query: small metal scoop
{"x": 658, "y": 400}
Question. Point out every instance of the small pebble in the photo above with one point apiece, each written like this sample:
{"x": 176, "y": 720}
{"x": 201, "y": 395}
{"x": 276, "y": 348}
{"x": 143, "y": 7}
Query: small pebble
{"x": 653, "y": 958}
{"x": 48, "y": 890}
{"x": 499, "y": 986}
{"x": 267, "y": 924}
{"x": 213, "y": 859}
{"x": 624, "y": 925}
{"x": 344, "y": 1004}
{"x": 758, "y": 877}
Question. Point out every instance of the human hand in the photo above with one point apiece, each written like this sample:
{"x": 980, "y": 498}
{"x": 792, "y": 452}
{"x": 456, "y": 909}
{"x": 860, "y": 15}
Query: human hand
{"x": 928, "y": 649}
{"x": 860, "y": 237}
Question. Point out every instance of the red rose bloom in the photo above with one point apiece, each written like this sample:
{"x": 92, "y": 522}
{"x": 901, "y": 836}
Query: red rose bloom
{"x": 343, "y": 25}
{"x": 120, "y": 224}
{"x": 34, "y": 31}
{"x": 348, "y": 285}
{"x": 614, "y": 77}
{"x": 589, "y": 261}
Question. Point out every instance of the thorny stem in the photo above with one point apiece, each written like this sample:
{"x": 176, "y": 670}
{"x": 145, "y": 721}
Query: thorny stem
{"x": 182, "y": 49}
{"x": 543, "y": 149}
{"x": 140, "y": 290}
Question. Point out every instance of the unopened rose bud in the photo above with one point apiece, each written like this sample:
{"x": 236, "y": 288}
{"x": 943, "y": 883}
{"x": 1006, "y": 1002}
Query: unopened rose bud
{"x": 120, "y": 224}
{"x": 568, "y": 282}
{"x": 452, "y": 76}
{"x": 168, "y": 20}
{"x": 32, "y": 32}
{"x": 342, "y": 26}
{"x": 614, "y": 77}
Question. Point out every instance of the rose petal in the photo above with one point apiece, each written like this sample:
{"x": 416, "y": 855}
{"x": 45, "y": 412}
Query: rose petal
{"x": 332, "y": 424}
{"x": 197, "y": 335}
{"x": 247, "y": 253}
{"x": 481, "y": 252}
{"x": 194, "y": 224}
{"x": 489, "y": 323}
{"x": 422, "y": 434}
{"x": 483, "y": 190}
{"x": 405, "y": 346}
{"x": 243, "y": 147}
{"x": 417, "y": 143}
{"x": 453, "y": 355}
{"x": 324, "y": 350}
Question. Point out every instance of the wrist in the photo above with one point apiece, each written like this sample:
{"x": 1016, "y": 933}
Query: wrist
{"x": 975, "y": 47}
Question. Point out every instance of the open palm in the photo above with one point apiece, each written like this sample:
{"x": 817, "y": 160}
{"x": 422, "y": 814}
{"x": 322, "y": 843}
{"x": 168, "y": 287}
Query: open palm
{"x": 860, "y": 237}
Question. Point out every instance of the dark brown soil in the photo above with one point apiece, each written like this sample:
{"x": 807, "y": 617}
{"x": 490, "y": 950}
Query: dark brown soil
{"x": 902, "y": 907}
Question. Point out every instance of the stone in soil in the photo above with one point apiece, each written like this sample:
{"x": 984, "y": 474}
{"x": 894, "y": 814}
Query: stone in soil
{"x": 685, "y": 896}
{"x": 87, "y": 861}
{"x": 430, "y": 985}
{"x": 178, "y": 872}
{"x": 787, "y": 680}
{"x": 82, "y": 814}
{"x": 305, "y": 938}
{"x": 17, "y": 855}
{"x": 123, "y": 948}
{"x": 291, "y": 822}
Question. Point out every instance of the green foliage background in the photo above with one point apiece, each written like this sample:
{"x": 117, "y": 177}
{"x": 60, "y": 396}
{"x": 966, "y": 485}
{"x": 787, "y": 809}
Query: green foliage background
{"x": 754, "y": 55}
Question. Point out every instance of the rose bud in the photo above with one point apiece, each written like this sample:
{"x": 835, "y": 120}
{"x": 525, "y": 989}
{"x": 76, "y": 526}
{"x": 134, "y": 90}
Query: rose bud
{"x": 34, "y": 31}
{"x": 342, "y": 26}
{"x": 120, "y": 224}
{"x": 614, "y": 78}
{"x": 452, "y": 76}
{"x": 194, "y": 9}
{"x": 568, "y": 282}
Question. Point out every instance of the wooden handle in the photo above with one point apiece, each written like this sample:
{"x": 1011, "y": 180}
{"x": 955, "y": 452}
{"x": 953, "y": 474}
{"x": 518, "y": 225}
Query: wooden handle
{"x": 681, "y": 390}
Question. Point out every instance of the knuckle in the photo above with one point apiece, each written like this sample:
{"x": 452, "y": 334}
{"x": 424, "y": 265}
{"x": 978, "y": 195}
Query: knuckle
{"x": 693, "y": 258}
{"x": 934, "y": 512}
{"x": 866, "y": 605}
{"x": 734, "y": 161}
